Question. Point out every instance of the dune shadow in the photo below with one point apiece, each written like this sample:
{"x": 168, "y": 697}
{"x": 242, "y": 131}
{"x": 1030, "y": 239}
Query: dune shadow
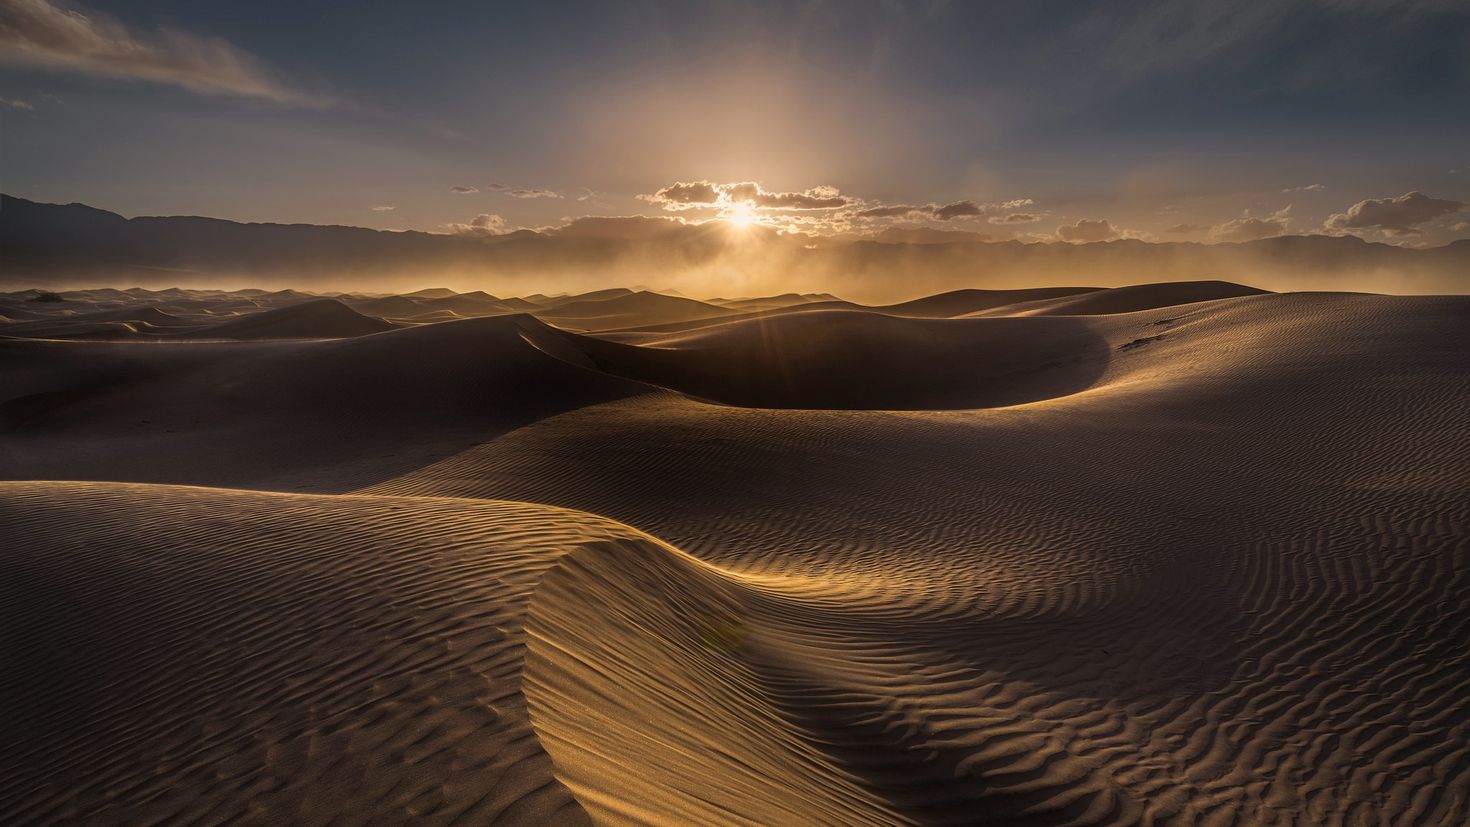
{"x": 855, "y": 360}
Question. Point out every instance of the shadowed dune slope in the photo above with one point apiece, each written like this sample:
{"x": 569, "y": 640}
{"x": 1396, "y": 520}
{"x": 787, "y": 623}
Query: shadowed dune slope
{"x": 940, "y": 306}
{"x": 296, "y": 413}
{"x": 960, "y": 302}
{"x": 149, "y": 313}
{"x": 641, "y": 308}
{"x": 849, "y": 359}
{"x": 1125, "y": 299}
{"x": 316, "y": 319}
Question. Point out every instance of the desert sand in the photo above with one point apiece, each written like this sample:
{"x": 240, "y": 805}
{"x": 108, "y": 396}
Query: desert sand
{"x": 1187, "y": 553}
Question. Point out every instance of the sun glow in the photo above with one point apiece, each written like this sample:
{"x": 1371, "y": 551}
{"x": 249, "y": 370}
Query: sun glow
{"x": 739, "y": 215}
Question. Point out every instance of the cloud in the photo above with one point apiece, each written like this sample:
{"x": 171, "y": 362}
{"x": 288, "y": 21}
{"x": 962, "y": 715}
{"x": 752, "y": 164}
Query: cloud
{"x": 39, "y": 33}
{"x": 816, "y": 198}
{"x": 1088, "y": 229}
{"x": 482, "y": 224}
{"x": 959, "y": 209}
{"x": 706, "y": 194}
{"x": 937, "y": 212}
{"x": 516, "y": 192}
{"x": 1307, "y": 188}
{"x": 1181, "y": 229}
{"x": 682, "y": 196}
{"x": 1016, "y": 218}
{"x": 16, "y": 104}
{"x": 1395, "y": 216}
{"x": 895, "y": 211}
{"x": 1249, "y": 228}
{"x": 464, "y": 190}
{"x": 384, "y": 209}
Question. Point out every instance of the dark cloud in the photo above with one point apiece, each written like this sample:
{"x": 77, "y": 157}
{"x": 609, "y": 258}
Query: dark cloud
{"x": 959, "y": 209}
{"x": 682, "y": 196}
{"x": 1395, "y": 216}
{"x": 1181, "y": 229}
{"x": 937, "y": 212}
{"x": 463, "y": 190}
{"x": 40, "y": 33}
{"x": 1088, "y": 229}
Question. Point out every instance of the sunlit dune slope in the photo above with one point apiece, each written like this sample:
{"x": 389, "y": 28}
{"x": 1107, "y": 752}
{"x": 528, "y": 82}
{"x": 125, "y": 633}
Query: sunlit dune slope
{"x": 180, "y": 655}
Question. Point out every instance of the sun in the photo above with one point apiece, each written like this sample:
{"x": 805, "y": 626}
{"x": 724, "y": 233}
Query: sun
{"x": 739, "y": 215}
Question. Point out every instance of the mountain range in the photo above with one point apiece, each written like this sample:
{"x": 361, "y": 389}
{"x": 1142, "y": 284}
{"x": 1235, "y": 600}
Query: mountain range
{"x": 59, "y": 245}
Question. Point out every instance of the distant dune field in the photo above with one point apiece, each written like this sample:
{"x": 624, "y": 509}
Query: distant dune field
{"x": 1180, "y": 553}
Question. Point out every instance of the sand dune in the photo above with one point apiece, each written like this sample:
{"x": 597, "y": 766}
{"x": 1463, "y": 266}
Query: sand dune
{"x": 642, "y": 308}
{"x": 217, "y": 656}
{"x": 324, "y": 415}
{"x": 316, "y": 319}
{"x": 960, "y": 302}
{"x": 846, "y": 359}
{"x": 1206, "y": 564}
{"x": 1122, "y": 299}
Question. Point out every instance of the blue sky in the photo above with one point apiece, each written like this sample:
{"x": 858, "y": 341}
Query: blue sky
{"x": 1162, "y": 120}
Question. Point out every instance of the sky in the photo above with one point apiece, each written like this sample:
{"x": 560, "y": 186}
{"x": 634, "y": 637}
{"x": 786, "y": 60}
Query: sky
{"x": 1058, "y": 121}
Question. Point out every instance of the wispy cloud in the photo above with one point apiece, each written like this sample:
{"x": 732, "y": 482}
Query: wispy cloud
{"x": 384, "y": 209}
{"x": 16, "y": 104}
{"x": 1016, "y": 218}
{"x": 464, "y": 190}
{"x": 523, "y": 192}
{"x": 42, "y": 33}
